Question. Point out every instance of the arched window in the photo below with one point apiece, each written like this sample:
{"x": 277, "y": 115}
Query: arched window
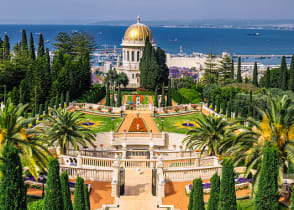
{"x": 138, "y": 56}
{"x": 128, "y": 55}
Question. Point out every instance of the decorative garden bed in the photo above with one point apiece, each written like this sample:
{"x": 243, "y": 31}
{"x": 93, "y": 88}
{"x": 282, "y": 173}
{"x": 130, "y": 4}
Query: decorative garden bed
{"x": 138, "y": 125}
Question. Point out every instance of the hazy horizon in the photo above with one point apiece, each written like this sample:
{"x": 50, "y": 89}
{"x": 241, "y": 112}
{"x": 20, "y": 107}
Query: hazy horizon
{"x": 93, "y": 11}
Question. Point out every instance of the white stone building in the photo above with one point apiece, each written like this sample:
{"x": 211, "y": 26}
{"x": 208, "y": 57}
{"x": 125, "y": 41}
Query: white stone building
{"x": 133, "y": 45}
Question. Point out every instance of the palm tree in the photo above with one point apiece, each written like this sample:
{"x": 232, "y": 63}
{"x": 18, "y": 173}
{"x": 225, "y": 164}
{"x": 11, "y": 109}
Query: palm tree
{"x": 65, "y": 129}
{"x": 276, "y": 126}
{"x": 209, "y": 133}
{"x": 13, "y": 130}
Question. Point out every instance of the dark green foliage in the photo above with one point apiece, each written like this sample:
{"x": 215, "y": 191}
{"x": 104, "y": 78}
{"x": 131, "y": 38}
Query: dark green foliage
{"x": 213, "y": 102}
{"x": 107, "y": 103}
{"x": 191, "y": 198}
{"x": 291, "y": 77}
{"x": 66, "y": 195}
{"x": 51, "y": 103}
{"x": 6, "y": 48}
{"x": 255, "y": 75}
{"x": 198, "y": 202}
{"x": 112, "y": 101}
{"x": 239, "y": 76}
{"x": 292, "y": 199}
{"x": 37, "y": 205}
{"x": 232, "y": 74}
{"x": 57, "y": 102}
{"x": 250, "y": 108}
{"x": 267, "y": 197}
{"x": 46, "y": 107}
{"x": 12, "y": 189}
{"x": 229, "y": 110}
{"x": 156, "y": 97}
{"x": 32, "y": 47}
{"x": 79, "y": 198}
{"x": 87, "y": 198}
{"x": 41, "y": 48}
{"x": 169, "y": 97}
{"x": 41, "y": 109}
{"x": 62, "y": 101}
{"x": 24, "y": 44}
{"x": 53, "y": 196}
{"x": 267, "y": 78}
{"x": 163, "y": 71}
{"x": 224, "y": 107}
{"x": 67, "y": 98}
{"x": 227, "y": 197}
{"x": 283, "y": 74}
{"x": 118, "y": 103}
{"x": 94, "y": 95}
{"x": 214, "y": 192}
{"x": 162, "y": 102}
{"x": 209, "y": 100}
{"x": 218, "y": 104}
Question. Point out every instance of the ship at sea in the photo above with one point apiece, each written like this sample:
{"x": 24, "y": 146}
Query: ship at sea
{"x": 254, "y": 34}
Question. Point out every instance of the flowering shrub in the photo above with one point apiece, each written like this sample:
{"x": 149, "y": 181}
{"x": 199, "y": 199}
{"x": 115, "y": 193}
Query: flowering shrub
{"x": 137, "y": 125}
{"x": 110, "y": 110}
{"x": 194, "y": 106}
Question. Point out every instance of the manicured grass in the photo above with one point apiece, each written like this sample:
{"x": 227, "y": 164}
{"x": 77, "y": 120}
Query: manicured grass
{"x": 145, "y": 100}
{"x": 169, "y": 123}
{"x": 106, "y": 123}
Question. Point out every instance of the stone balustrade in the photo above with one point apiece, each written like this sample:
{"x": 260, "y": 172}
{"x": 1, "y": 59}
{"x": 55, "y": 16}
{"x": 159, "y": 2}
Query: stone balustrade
{"x": 138, "y": 138}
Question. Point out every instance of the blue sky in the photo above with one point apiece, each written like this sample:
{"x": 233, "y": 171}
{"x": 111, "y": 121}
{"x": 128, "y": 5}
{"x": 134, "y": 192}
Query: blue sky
{"x": 89, "y": 11}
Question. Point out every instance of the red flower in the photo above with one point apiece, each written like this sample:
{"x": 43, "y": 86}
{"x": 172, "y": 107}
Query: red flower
{"x": 101, "y": 145}
{"x": 197, "y": 150}
{"x": 134, "y": 126}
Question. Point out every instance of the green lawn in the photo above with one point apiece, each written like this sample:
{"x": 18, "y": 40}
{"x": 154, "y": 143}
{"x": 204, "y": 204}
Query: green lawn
{"x": 169, "y": 123}
{"x": 145, "y": 100}
{"x": 104, "y": 124}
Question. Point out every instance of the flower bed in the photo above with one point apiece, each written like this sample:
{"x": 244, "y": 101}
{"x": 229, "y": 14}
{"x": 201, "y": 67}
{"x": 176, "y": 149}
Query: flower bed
{"x": 138, "y": 125}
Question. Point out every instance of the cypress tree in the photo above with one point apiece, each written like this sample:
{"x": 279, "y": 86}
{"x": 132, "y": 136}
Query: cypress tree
{"x": 156, "y": 98}
{"x": 236, "y": 110}
{"x": 46, "y": 107}
{"x": 239, "y": 75}
{"x": 53, "y": 196}
{"x": 214, "y": 192}
{"x": 267, "y": 196}
{"x": 57, "y": 102}
{"x": 255, "y": 75}
{"x": 218, "y": 105}
{"x": 283, "y": 74}
{"x": 24, "y": 44}
{"x": 191, "y": 197}
{"x": 169, "y": 100}
{"x": 232, "y": 74}
{"x": 21, "y": 95}
{"x": 250, "y": 108}
{"x": 32, "y": 47}
{"x": 1, "y": 49}
{"x": 162, "y": 102}
{"x": 268, "y": 78}
{"x": 208, "y": 100}
{"x": 41, "y": 109}
{"x": 6, "y": 48}
{"x": 67, "y": 98}
{"x": 213, "y": 101}
{"x": 79, "y": 198}
{"x": 224, "y": 107}
{"x": 65, "y": 191}
{"x": 291, "y": 78}
{"x": 118, "y": 98}
{"x": 87, "y": 198}
{"x": 62, "y": 101}
{"x": 246, "y": 80}
{"x": 51, "y": 103}
{"x": 12, "y": 189}
{"x": 107, "y": 103}
{"x": 112, "y": 100}
{"x": 144, "y": 64}
{"x": 227, "y": 197}
{"x": 229, "y": 110}
{"x": 198, "y": 202}
{"x": 41, "y": 48}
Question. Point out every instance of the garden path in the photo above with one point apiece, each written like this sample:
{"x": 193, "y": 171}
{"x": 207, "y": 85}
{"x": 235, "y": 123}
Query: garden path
{"x": 146, "y": 115}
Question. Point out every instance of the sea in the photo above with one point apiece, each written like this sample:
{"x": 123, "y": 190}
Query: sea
{"x": 200, "y": 40}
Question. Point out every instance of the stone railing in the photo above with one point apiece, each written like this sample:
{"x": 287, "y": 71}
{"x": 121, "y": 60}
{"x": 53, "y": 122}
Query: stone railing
{"x": 188, "y": 174}
{"x": 138, "y": 138}
{"x": 93, "y": 153}
{"x": 88, "y": 173}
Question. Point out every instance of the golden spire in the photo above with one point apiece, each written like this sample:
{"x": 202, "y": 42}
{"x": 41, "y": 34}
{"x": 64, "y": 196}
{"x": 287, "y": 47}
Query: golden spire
{"x": 138, "y": 19}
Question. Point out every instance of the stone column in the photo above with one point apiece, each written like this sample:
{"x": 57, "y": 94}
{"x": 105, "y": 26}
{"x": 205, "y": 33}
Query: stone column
{"x": 151, "y": 147}
{"x": 115, "y": 177}
{"x": 160, "y": 179}
{"x": 124, "y": 150}
{"x": 79, "y": 161}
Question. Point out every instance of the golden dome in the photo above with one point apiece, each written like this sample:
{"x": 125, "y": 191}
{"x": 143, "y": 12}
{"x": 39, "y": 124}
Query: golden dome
{"x": 138, "y": 32}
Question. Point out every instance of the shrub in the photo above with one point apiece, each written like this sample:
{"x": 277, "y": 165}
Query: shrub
{"x": 191, "y": 95}
{"x": 214, "y": 192}
{"x": 79, "y": 199}
{"x": 53, "y": 196}
{"x": 12, "y": 189}
{"x": 227, "y": 198}
{"x": 198, "y": 202}
{"x": 87, "y": 199}
{"x": 65, "y": 191}
{"x": 37, "y": 205}
{"x": 267, "y": 196}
